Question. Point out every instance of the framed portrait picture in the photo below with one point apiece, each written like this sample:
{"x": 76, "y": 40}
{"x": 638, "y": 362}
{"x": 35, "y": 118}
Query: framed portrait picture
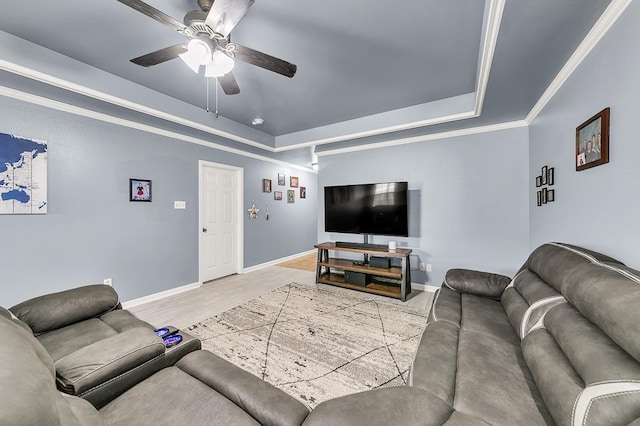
{"x": 539, "y": 193}
{"x": 266, "y": 185}
{"x": 538, "y": 181}
{"x": 277, "y": 195}
{"x": 281, "y": 179}
{"x": 291, "y": 196}
{"x": 592, "y": 141}
{"x": 293, "y": 181}
{"x": 303, "y": 192}
{"x": 139, "y": 190}
{"x": 544, "y": 195}
{"x": 544, "y": 175}
{"x": 551, "y": 195}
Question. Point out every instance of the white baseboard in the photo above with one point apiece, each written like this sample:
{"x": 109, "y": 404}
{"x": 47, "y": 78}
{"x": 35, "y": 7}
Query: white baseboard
{"x": 275, "y": 262}
{"x": 424, "y": 287}
{"x": 161, "y": 295}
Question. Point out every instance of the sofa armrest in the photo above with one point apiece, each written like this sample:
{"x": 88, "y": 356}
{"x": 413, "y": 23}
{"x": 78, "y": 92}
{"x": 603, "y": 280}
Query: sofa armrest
{"x": 483, "y": 284}
{"x": 57, "y": 310}
{"x": 261, "y": 400}
{"x": 106, "y": 359}
{"x": 405, "y": 405}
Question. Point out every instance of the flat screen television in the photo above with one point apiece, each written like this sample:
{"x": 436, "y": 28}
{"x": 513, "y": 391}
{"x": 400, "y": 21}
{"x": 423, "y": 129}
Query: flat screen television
{"x": 376, "y": 209}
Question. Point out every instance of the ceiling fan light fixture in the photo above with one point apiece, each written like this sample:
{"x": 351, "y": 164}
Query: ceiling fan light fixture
{"x": 220, "y": 64}
{"x": 198, "y": 53}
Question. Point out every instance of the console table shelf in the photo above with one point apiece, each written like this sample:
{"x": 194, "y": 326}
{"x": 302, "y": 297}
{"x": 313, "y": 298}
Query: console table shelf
{"x": 393, "y": 282}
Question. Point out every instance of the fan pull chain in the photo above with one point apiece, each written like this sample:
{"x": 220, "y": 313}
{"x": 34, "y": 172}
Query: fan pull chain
{"x": 208, "y": 110}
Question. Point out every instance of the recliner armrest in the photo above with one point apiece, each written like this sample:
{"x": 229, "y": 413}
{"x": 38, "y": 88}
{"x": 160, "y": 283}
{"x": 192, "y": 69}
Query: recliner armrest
{"x": 57, "y": 310}
{"x": 261, "y": 400}
{"x": 106, "y": 359}
{"x": 479, "y": 283}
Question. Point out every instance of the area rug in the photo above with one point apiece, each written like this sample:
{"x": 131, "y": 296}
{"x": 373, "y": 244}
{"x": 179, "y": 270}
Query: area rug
{"x": 318, "y": 342}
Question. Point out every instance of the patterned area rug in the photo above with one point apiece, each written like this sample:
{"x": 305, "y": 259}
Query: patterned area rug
{"x": 318, "y": 342}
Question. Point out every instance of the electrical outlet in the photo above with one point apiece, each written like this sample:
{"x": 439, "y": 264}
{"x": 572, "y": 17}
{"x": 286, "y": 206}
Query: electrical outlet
{"x": 422, "y": 267}
{"x": 428, "y": 267}
{"x": 107, "y": 281}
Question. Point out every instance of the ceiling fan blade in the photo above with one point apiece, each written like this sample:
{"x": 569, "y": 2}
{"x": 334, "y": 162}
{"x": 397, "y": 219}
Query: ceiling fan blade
{"x": 160, "y": 56}
{"x": 224, "y": 15}
{"x": 229, "y": 84}
{"x": 262, "y": 60}
{"x": 154, "y": 13}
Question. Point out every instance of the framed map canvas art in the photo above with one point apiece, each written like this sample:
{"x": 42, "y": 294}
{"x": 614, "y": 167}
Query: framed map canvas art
{"x": 23, "y": 175}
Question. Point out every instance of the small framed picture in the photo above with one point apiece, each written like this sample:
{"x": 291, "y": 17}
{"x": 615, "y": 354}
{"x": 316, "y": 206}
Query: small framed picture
{"x": 281, "y": 179}
{"x": 291, "y": 196}
{"x": 551, "y": 195}
{"x": 139, "y": 190}
{"x": 293, "y": 181}
{"x": 592, "y": 141}
{"x": 544, "y": 175}
{"x": 277, "y": 195}
{"x": 544, "y": 195}
{"x": 266, "y": 185}
{"x": 550, "y": 177}
{"x": 303, "y": 192}
{"x": 539, "y": 193}
{"x": 538, "y": 181}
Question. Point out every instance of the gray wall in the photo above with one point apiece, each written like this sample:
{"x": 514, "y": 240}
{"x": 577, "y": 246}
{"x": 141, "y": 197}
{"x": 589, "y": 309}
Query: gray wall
{"x": 468, "y": 199}
{"x": 93, "y": 232}
{"x": 597, "y": 208}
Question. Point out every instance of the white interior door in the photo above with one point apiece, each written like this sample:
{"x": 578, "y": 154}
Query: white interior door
{"x": 220, "y": 221}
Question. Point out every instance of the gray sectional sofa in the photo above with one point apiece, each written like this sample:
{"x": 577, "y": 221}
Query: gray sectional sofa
{"x": 557, "y": 344}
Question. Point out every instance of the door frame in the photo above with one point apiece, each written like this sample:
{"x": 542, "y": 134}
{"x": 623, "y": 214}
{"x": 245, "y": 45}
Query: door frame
{"x": 239, "y": 172}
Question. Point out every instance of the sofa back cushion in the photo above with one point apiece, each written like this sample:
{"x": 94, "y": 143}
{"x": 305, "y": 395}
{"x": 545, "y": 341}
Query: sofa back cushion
{"x": 584, "y": 354}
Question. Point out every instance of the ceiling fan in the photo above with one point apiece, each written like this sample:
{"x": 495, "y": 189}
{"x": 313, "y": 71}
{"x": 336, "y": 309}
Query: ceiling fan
{"x": 208, "y": 33}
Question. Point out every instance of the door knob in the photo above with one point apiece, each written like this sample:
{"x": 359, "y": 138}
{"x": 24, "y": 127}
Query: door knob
{"x": 204, "y": 229}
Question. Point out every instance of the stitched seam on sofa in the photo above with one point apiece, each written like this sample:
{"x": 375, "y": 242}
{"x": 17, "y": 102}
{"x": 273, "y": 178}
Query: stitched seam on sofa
{"x": 540, "y": 323}
{"x": 133, "y": 370}
{"x": 597, "y": 262}
{"x": 433, "y": 306}
{"x": 533, "y": 307}
{"x": 513, "y": 281}
{"x": 613, "y": 395}
{"x": 594, "y": 391}
{"x": 113, "y": 361}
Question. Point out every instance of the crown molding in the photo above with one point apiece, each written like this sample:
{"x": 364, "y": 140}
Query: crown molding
{"x": 114, "y": 100}
{"x": 425, "y": 138}
{"x": 84, "y": 112}
{"x": 496, "y": 10}
{"x": 599, "y": 29}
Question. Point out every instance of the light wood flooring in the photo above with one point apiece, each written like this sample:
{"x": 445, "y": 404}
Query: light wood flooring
{"x": 306, "y": 262}
{"x": 214, "y": 297}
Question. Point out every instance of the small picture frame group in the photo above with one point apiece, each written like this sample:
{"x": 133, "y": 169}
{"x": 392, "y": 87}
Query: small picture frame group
{"x": 266, "y": 185}
{"x": 546, "y": 196}
{"x": 277, "y": 195}
{"x": 139, "y": 190}
{"x": 547, "y": 177}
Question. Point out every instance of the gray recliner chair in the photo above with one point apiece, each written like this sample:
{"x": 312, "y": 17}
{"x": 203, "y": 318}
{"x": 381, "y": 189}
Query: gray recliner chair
{"x": 98, "y": 349}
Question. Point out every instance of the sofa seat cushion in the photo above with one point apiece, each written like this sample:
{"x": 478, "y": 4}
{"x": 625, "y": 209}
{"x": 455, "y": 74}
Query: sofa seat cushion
{"x": 483, "y": 378}
{"x": 473, "y": 313}
{"x": 385, "y": 406}
{"x": 172, "y": 396}
{"x": 65, "y": 341}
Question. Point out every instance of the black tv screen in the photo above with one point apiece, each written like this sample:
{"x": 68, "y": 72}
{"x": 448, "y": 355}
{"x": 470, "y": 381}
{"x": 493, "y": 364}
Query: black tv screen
{"x": 377, "y": 208}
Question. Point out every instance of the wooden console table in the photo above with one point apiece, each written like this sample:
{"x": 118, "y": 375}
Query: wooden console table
{"x": 392, "y": 282}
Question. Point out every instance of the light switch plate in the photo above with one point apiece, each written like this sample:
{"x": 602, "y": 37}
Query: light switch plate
{"x": 179, "y": 204}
